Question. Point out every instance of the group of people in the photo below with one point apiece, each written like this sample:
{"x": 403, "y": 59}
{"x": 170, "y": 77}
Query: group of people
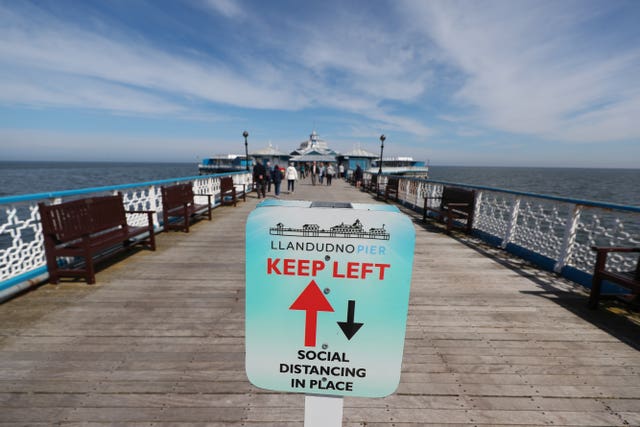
{"x": 320, "y": 172}
{"x": 266, "y": 175}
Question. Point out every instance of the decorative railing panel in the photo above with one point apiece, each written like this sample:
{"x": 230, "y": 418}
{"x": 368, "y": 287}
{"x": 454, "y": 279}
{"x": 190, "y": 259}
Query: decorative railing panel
{"x": 603, "y": 227}
{"x": 21, "y": 240}
{"x": 494, "y": 214}
{"x": 540, "y": 226}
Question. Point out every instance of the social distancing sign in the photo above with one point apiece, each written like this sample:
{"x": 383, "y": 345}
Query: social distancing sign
{"x": 327, "y": 294}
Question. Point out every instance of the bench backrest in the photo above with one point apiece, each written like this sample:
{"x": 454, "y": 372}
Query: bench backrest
{"x": 226, "y": 184}
{"x": 71, "y": 220}
{"x": 457, "y": 195}
{"x": 176, "y": 195}
{"x": 393, "y": 182}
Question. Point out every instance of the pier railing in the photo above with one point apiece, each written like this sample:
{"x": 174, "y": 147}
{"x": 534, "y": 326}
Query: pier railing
{"x": 22, "y": 257}
{"x": 555, "y": 233}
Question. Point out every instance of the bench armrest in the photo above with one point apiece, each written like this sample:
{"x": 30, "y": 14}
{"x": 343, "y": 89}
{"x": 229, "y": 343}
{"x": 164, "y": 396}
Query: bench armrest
{"x": 607, "y": 249}
{"x": 603, "y": 251}
{"x": 141, "y": 212}
{"x": 208, "y": 196}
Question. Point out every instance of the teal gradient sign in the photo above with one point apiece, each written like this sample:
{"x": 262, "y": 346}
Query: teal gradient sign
{"x": 327, "y": 296}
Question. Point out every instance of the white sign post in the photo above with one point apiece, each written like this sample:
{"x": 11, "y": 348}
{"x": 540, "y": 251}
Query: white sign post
{"x": 327, "y": 295}
{"x": 322, "y": 411}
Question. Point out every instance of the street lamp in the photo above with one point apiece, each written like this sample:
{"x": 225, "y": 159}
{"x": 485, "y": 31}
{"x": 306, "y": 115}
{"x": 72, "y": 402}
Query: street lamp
{"x": 246, "y": 149}
{"x": 382, "y": 138}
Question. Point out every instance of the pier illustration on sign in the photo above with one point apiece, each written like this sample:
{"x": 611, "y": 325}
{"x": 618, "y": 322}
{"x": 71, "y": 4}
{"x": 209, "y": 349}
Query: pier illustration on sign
{"x": 342, "y": 230}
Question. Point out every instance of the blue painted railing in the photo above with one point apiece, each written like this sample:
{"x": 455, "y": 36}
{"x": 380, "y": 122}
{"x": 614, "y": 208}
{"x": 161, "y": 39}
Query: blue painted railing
{"x": 555, "y": 233}
{"x": 22, "y": 261}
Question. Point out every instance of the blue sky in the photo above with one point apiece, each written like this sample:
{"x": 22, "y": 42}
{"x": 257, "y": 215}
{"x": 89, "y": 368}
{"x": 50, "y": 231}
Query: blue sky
{"x": 524, "y": 83}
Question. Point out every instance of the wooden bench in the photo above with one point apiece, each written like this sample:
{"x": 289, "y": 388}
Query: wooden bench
{"x": 629, "y": 280}
{"x": 392, "y": 188}
{"x": 455, "y": 204}
{"x": 86, "y": 228}
{"x": 178, "y": 206}
{"x": 229, "y": 194}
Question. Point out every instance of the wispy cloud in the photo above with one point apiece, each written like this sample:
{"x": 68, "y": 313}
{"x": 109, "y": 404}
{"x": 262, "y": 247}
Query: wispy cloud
{"x": 87, "y": 93}
{"x": 104, "y": 146}
{"x": 527, "y": 67}
{"x": 227, "y": 8}
{"x": 338, "y": 66}
{"x": 79, "y": 54}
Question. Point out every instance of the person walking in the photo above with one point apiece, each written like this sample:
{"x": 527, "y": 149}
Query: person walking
{"x": 276, "y": 177}
{"x": 313, "y": 170}
{"x": 341, "y": 171}
{"x": 292, "y": 176}
{"x": 322, "y": 171}
{"x": 330, "y": 172}
{"x": 268, "y": 177}
{"x": 357, "y": 176}
{"x": 259, "y": 178}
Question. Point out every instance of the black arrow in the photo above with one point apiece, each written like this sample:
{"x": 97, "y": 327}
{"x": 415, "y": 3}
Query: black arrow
{"x": 350, "y": 327}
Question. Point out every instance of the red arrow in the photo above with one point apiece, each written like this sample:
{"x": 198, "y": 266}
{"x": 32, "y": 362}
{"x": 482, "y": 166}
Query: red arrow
{"x": 312, "y": 301}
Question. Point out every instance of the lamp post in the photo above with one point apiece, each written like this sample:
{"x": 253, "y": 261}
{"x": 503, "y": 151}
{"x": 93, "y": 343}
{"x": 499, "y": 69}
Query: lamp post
{"x": 246, "y": 149}
{"x": 382, "y": 138}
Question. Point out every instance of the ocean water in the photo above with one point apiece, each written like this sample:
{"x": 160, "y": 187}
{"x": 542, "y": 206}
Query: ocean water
{"x": 620, "y": 186}
{"x": 42, "y": 177}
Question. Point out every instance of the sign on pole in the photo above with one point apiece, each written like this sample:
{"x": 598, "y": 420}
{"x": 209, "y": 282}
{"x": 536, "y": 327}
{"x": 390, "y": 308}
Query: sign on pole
{"x": 327, "y": 292}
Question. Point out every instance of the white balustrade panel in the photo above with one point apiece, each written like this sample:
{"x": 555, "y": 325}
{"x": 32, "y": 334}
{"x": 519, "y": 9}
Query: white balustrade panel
{"x": 494, "y": 214}
{"x": 600, "y": 227}
{"x": 540, "y": 226}
{"x": 21, "y": 241}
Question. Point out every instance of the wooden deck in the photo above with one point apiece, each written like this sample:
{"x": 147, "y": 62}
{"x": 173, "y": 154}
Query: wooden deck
{"x": 159, "y": 341}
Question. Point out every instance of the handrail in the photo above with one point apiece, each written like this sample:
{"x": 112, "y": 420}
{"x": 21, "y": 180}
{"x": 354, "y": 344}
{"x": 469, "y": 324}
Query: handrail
{"x": 555, "y": 233}
{"x": 584, "y": 202}
{"x": 80, "y": 191}
{"x": 22, "y": 258}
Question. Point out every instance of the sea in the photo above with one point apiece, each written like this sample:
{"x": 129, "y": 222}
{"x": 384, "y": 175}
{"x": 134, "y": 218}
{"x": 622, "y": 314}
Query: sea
{"x": 618, "y": 186}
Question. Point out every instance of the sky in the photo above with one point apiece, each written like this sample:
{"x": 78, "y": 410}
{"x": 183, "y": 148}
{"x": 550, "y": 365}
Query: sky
{"x": 476, "y": 83}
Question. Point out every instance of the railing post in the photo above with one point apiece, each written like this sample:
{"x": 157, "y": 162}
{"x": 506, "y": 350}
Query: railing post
{"x": 476, "y": 208}
{"x": 513, "y": 222}
{"x": 569, "y": 238}
{"x": 154, "y": 205}
{"x": 209, "y": 186}
{"x": 407, "y": 190}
